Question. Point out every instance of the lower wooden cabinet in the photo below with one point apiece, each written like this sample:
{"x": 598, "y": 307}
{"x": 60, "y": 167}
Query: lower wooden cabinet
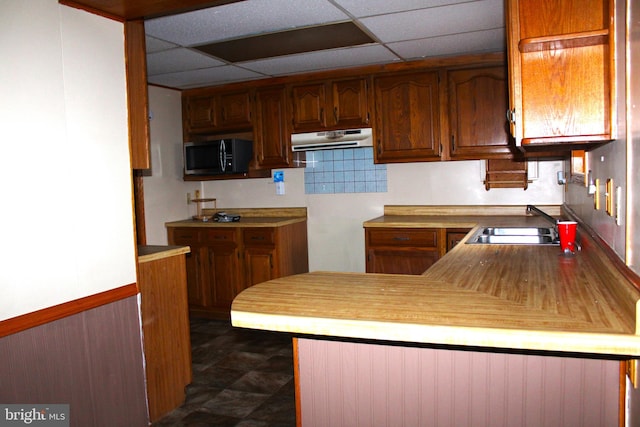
{"x": 165, "y": 326}
{"x": 455, "y": 235}
{"x": 407, "y": 250}
{"x": 225, "y": 260}
{"x": 403, "y": 250}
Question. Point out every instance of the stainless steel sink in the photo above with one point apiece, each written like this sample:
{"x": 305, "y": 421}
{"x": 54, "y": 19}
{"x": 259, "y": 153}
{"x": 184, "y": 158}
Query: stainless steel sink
{"x": 515, "y": 236}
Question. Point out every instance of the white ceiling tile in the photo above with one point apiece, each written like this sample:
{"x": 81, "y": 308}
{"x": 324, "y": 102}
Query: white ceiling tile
{"x": 155, "y": 45}
{"x": 180, "y": 59}
{"x": 411, "y": 29}
{"x": 205, "y": 77}
{"x": 423, "y": 23}
{"x": 244, "y": 18}
{"x": 323, "y": 60}
{"x": 474, "y": 42}
{"x": 361, "y": 8}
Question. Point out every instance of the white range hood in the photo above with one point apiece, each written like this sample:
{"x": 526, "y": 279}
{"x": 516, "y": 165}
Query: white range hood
{"x": 328, "y": 140}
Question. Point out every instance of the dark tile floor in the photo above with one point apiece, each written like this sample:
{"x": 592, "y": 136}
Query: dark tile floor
{"x": 241, "y": 377}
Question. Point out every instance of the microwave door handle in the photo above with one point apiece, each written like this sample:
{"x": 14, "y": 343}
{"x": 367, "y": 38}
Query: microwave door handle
{"x": 223, "y": 156}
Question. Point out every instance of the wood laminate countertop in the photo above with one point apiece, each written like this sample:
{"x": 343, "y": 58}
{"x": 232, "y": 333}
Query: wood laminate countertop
{"x": 148, "y": 253}
{"x": 524, "y": 297}
{"x": 249, "y": 217}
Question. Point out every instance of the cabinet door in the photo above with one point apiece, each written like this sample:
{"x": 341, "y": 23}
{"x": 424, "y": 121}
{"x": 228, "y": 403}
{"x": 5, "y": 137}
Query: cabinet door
{"x": 223, "y": 278}
{"x": 272, "y": 139}
{"x": 258, "y": 264}
{"x": 400, "y": 260}
{"x": 309, "y": 106}
{"x": 223, "y": 260}
{"x": 260, "y": 257}
{"x": 200, "y": 112}
{"x": 407, "y": 118}
{"x": 403, "y": 250}
{"x": 350, "y": 102}
{"x": 235, "y": 110}
{"x": 477, "y": 121}
{"x": 560, "y": 72}
{"x": 198, "y": 289}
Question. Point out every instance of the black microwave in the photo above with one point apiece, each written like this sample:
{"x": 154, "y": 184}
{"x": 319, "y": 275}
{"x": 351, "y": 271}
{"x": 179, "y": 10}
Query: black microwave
{"x": 217, "y": 157}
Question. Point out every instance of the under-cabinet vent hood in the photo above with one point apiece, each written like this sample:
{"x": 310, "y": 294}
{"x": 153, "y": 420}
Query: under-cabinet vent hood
{"x": 332, "y": 139}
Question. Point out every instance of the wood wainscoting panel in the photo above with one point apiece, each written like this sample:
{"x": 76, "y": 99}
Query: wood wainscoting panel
{"x": 358, "y": 384}
{"x": 91, "y": 360}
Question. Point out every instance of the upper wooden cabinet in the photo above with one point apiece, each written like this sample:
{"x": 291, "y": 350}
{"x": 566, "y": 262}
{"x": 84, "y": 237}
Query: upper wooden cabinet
{"x": 560, "y": 72}
{"x": 217, "y": 112}
{"x": 445, "y": 109}
{"x": 478, "y": 127}
{"x": 330, "y": 104}
{"x": 271, "y": 136}
{"x": 407, "y": 117}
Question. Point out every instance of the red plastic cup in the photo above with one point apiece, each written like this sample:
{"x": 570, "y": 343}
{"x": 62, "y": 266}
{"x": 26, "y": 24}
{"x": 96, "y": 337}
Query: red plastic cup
{"x": 567, "y": 234}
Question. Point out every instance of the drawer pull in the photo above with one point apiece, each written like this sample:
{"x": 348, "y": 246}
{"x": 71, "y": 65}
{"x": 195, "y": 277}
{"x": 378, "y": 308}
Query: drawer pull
{"x": 401, "y": 238}
{"x": 257, "y": 237}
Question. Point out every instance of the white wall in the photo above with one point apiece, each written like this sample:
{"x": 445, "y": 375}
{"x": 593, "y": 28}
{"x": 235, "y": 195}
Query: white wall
{"x": 336, "y": 237}
{"x": 64, "y": 158}
{"x": 164, "y": 189}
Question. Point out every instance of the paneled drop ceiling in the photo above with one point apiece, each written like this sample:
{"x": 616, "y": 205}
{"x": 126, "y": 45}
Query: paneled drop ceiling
{"x": 205, "y": 47}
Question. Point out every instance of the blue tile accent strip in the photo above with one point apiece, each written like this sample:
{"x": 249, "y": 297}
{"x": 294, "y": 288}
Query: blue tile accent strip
{"x": 349, "y": 170}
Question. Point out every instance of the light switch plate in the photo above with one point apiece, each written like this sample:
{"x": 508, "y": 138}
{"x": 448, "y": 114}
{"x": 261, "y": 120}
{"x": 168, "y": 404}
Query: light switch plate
{"x": 609, "y": 197}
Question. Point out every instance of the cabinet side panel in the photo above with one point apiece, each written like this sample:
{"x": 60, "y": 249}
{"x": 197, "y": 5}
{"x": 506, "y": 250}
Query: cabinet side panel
{"x": 165, "y": 323}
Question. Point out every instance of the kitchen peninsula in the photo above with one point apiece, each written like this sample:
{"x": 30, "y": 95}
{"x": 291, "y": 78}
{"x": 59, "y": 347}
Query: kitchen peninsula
{"x": 494, "y": 334}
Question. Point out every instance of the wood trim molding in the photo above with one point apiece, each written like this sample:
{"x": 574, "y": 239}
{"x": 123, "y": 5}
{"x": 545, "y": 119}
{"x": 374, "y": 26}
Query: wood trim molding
{"x": 95, "y": 11}
{"x": 50, "y": 314}
{"x": 296, "y": 379}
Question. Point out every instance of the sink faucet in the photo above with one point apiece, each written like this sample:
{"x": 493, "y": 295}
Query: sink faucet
{"x": 552, "y": 220}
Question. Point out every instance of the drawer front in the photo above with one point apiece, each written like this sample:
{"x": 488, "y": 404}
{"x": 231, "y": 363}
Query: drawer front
{"x": 259, "y": 236}
{"x": 185, "y": 236}
{"x": 219, "y": 235}
{"x": 404, "y": 237}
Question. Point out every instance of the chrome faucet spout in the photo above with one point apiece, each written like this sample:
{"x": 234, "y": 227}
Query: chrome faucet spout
{"x": 552, "y": 220}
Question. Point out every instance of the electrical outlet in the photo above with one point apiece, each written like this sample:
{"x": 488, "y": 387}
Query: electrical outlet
{"x": 188, "y": 198}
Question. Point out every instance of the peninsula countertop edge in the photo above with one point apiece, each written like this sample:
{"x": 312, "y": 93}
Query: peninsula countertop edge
{"x": 520, "y": 297}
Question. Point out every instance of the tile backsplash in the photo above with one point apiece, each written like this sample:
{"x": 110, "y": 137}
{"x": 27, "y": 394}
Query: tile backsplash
{"x": 349, "y": 170}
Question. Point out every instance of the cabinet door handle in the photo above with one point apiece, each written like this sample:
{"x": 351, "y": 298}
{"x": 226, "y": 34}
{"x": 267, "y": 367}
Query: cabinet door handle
{"x": 335, "y": 114}
{"x": 453, "y": 143}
